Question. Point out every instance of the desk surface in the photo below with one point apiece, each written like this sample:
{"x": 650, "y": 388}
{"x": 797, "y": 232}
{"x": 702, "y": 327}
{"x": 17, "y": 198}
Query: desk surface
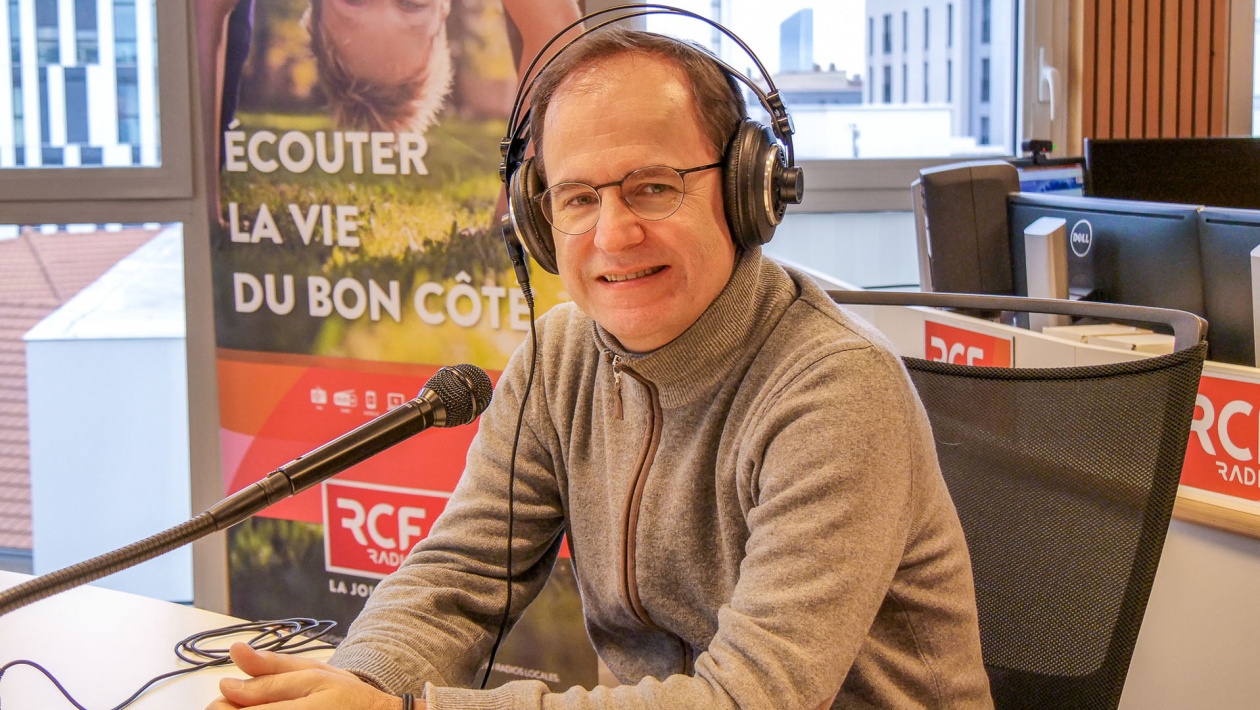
{"x": 103, "y": 645}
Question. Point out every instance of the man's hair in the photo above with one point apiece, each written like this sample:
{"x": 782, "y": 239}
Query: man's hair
{"x": 411, "y": 105}
{"x": 711, "y": 86}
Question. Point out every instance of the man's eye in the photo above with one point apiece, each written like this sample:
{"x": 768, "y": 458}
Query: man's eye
{"x": 413, "y": 5}
{"x": 581, "y": 199}
{"x": 654, "y": 190}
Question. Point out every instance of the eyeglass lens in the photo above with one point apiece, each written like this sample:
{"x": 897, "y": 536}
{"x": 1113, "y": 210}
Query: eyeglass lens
{"x": 652, "y": 193}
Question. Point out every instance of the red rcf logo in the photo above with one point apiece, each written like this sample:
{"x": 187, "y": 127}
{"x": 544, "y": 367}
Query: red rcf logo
{"x": 1223, "y": 454}
{"x": 369, "y": 529}
{"x": 945, "y": 343}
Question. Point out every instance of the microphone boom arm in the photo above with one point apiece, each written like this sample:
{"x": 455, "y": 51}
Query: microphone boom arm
{"x": 471, "y": 389}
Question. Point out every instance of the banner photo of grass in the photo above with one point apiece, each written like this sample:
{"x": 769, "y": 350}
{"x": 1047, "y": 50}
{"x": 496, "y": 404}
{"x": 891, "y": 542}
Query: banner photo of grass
{"x": 355, "y": 250}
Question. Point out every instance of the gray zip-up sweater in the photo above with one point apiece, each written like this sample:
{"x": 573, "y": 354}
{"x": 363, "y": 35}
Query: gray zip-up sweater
{"x": 755, "y": 512}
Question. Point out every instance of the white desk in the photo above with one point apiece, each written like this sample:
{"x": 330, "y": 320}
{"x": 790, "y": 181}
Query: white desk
{"x": 103, "y": 645}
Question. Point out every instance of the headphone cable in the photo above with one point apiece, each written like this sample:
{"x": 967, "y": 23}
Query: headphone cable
{"x": 516, "y": 440}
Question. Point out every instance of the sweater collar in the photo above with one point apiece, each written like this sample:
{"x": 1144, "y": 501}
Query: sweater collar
{"x": 730, "y": 331}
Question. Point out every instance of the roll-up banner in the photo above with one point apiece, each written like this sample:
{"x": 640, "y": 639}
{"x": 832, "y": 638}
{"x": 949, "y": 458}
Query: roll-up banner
{"x": 354, "y": 252}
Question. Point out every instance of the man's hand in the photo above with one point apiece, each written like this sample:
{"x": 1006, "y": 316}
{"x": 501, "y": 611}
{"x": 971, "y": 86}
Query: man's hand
{"x": 277, "y": 678}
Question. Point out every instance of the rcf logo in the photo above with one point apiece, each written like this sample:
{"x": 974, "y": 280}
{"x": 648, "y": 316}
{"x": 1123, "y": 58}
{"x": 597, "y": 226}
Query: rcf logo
{"x": 1082, "y": 237}
{"x": 1223, "y": 454}
{"x": 369, "y": 529}
{"x": 945, "y": 343}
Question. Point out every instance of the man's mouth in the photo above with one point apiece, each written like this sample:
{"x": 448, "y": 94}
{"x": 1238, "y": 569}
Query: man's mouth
{"x": 614, "y": 278}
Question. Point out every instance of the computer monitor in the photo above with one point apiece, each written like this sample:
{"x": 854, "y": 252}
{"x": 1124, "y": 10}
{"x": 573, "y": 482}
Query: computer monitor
{"x": 1140, "y": 253}
{"x": 960, "y": 212}
{"x": 1226, "y": 239}
{"x": 1063, "y": 176}
{"x": 1221, "y": 172}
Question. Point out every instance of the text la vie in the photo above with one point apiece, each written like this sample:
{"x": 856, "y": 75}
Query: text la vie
{"x": 337, "y": 224}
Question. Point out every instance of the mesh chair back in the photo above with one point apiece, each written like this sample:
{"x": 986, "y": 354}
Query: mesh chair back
{"x": 1064, "y": 480}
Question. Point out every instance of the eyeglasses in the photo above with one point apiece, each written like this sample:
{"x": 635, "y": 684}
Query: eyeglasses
{"x": 652, "y": 193}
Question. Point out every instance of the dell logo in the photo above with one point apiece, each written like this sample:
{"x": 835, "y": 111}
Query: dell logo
{"x": 1082, "y": 237}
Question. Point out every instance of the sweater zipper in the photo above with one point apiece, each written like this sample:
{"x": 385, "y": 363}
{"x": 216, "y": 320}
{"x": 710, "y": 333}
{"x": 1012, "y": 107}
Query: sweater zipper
{"x": 651, "y": 440}
{"x": 634, "y": 500}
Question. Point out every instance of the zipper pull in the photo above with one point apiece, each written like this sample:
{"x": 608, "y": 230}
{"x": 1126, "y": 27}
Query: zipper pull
{"x": 616, "y": 369}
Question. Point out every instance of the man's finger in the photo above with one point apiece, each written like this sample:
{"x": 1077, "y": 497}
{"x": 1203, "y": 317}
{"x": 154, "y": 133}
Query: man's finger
{"x": 258, "y": 663}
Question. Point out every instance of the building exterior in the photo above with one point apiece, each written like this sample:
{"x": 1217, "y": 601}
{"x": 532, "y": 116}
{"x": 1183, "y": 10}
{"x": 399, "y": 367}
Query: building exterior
{"x": 954, "y": 52}
{"x": 796, "y": 42}
{"x": 78, "y": 86}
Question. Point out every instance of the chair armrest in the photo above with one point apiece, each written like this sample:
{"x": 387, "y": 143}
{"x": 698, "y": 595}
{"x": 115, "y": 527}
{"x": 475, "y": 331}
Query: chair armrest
{"x": 1188, "y": 329}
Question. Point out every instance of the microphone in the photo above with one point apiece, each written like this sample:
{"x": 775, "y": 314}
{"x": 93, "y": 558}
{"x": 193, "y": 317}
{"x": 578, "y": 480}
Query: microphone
{"x": 453, "y": 396}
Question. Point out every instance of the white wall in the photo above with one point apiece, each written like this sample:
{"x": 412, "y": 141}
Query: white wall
{"x": 1200, "y": 639}
{"x": 107, "y": 385}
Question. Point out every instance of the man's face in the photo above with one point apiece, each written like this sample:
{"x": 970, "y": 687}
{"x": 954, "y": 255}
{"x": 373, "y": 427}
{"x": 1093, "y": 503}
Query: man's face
{"x": 384, "y": 41}
{"x": 644, "y": 281}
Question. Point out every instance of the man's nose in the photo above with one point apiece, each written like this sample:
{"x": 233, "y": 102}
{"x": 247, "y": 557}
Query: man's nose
{"x": 618, "y": 227}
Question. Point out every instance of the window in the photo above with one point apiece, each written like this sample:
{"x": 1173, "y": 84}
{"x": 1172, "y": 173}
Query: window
{"x": 949, "y": 25}
{"x": 868, "y": 92}
{"x": 93, "y": 136}
{"x": 984, "y": 80}
{"x": 986, "y": 11}
{"x": 86, "y": 44}
{"x": 47, "y": 48}
{"x": 83, "y": 89}
{"x": 984, "y": 130}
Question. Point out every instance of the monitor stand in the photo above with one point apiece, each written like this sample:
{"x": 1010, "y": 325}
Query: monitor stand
{"x": 1045, "y": 255}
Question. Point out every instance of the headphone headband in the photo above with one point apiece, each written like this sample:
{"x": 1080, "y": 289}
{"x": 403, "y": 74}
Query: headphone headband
{"x": 759, "y": 177}
{"x": 512, "y": 147}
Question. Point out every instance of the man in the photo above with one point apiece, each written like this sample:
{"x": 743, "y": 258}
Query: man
{"x": 746, "y": 477}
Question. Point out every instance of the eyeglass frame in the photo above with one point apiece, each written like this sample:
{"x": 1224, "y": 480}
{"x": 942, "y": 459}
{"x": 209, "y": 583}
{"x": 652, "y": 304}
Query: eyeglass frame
{"x": 681, "y": 172}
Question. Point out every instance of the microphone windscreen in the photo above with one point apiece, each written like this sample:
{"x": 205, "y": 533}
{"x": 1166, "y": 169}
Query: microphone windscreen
{"x": 464, "y": 390}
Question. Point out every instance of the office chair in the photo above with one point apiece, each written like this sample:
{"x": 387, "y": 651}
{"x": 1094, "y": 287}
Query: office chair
{"x": 1064, "y": 479}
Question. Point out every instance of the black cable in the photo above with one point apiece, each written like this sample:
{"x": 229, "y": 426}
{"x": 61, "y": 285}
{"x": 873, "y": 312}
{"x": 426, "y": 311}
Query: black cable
{"x": 278, "y": 636}
{"x": 516, "y": 440}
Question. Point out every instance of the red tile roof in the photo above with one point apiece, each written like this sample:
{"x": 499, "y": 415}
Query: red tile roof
{"x": 38, "y": 273}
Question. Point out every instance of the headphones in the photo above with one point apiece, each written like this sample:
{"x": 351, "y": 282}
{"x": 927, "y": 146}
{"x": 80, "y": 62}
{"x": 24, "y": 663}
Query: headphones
{"x": 759, "y": 175}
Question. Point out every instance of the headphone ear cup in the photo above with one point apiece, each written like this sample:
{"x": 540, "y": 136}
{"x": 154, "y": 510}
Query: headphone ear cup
{"x": 527, "y": 220}
{"x": 749, "y": 190}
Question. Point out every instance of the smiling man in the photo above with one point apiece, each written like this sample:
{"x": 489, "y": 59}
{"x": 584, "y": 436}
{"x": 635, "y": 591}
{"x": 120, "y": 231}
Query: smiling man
{"x": 746, "y": 477}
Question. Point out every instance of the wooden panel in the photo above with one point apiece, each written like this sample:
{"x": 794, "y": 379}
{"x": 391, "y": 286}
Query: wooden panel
{"x": 1137, "y": 68}
{"x": 1154, "y": 74}
{"x": 1171, "y": 64}
{"x": 1089, "y": 71}
{"x": 1185, "y": 54}
{"x": 1102, "y": 118}
{"x": 1154, "y": 68}
{"x": 1120, "y": 77}
{"x": 1202, "y": 67}
{"x": 1220, "y": 45}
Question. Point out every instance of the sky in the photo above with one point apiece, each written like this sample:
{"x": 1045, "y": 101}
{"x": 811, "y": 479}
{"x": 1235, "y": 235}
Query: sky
{"x": 838, "y": 28}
